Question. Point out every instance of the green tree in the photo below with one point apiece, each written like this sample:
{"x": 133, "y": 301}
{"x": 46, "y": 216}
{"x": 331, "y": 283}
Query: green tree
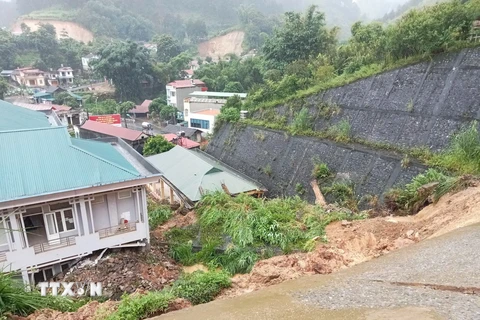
{"x": 156, "y": 145}
{"x": 126, "y": 64}
{"x": 301, "y": 37}
{"x": 234, "y": 102}
{"x": 234, "y": 86}
{"x": 3, "y": 89}
{"x": 124, "y": 108}
{"x": 167, "y": 47}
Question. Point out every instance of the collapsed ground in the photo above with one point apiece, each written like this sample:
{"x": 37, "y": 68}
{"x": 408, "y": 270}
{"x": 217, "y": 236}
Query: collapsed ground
{"x": 348, "y": 243}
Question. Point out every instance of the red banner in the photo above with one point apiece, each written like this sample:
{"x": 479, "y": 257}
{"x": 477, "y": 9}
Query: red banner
{"x": 107, "y": 118}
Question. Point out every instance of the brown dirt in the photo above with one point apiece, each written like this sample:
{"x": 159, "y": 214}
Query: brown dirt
{"x": 127, "y": 271}
{"x": 351, "y": 243}
{"x": 179, "y": 220}
{"x": 222, "y": 45}
{"x": 75, "y": 31}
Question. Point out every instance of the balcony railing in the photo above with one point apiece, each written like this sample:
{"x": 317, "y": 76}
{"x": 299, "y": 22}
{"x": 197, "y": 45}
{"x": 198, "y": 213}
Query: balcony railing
{"x": 116, "y": 230}
{"x": 3, "y": 256}
{"x": 54, "y": 244}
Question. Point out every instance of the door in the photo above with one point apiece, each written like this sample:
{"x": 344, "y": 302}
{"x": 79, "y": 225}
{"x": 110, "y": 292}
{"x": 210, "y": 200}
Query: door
{"x": 51, "y": 227}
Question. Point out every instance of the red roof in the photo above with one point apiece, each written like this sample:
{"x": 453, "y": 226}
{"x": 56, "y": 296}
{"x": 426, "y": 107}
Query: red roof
{"x": 189, "y": 72}
{"x": 120, "y": 132}
{"x": 143, "y": 108}
{"x": 186, "y": 83}
{"x": 183, "y": 142}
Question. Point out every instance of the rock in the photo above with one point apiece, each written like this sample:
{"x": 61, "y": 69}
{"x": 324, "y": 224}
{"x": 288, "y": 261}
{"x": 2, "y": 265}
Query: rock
{"x": 402, "y": 242}
{"x": 346, "y": 223}
{"x": 410, "y": 233}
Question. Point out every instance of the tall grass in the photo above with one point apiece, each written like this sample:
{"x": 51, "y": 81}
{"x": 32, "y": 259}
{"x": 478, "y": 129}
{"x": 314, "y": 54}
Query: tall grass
{"x": 463, "y": 154}
{"x": 253, "y": 229}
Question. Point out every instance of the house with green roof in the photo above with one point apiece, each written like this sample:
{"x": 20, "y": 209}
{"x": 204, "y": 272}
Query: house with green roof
{"x": 63, "y": 198}
{"x": 195, "y": 173}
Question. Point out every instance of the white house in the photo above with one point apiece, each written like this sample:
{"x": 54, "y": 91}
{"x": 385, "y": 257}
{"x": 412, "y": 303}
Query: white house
{"x": 63, "y": 198}
{"x": 203, "y": 120}
{"x": 178, "y": 90}
{"x": 65, "y": 76}
{"x": 86, "y": 61}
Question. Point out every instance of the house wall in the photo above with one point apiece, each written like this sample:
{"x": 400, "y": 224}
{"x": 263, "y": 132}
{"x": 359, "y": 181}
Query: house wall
{"x": 180, "y": 95}
{"x": 22, "y": 256}
{"x": 199, "y": 106}
{"x": 209, "y": 118}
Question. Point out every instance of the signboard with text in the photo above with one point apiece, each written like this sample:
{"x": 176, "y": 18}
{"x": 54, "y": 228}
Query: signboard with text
{"x": 113, "y": 119}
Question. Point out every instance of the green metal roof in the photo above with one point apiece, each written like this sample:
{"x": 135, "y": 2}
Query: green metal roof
{"x": 42, "y": 94}
{"x": 13, "y": 118}
{"x": 104, "y": 151}
{"x": 191, "y": 170}
{"x": 45, "y": 160}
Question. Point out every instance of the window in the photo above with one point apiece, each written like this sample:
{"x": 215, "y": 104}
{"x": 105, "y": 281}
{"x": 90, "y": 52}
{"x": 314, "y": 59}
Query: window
{"x": 173, "y": 93}
{"x": 202, "y": 124}
{"x": 185, "y": 113}
{"x": 65, "y": 221}
{"x": 124, "y": 194}
{"x": 98, "y": 199}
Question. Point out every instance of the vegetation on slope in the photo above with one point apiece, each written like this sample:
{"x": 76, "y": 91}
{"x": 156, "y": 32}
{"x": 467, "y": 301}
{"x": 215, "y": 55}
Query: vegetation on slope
{"x": 233, "y": 233}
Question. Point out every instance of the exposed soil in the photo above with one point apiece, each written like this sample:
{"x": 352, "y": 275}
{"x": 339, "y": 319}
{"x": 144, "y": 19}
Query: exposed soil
{"x": 222, "y": 45}
{"x": 74, "y": 30}
{"x": 127, "y": 271}
{"x": 350, "y": 243}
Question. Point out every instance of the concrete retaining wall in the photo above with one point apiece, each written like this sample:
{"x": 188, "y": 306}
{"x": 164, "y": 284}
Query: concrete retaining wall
{"x": 291, "y": 160}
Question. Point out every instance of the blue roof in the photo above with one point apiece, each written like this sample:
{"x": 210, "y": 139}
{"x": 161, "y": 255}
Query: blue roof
{"x": 44, "y": 160}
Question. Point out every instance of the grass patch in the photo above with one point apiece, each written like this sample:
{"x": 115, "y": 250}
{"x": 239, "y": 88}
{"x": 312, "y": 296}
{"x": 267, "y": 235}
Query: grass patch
{"x": 343, "y": 194}
{"x": 201, "y": 287}
{"x": 198, "y": 287}
{"x": 15, "y": 300}
{"x": 320, "y": 171}
{"x": 463, "y": 154}
{"x": 158, "y": 214}
{"x": 424, "y": 189}
{"x": 134, "y": 307}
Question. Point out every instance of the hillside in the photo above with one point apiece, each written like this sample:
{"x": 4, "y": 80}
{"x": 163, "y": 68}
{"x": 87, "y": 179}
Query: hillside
{"x": 400, "y": 10}
{"x": 222, "y": 45}
{"x": 72, "y": 29}
{"x": 181, "y": 19}
{"x": 412, "y": 109}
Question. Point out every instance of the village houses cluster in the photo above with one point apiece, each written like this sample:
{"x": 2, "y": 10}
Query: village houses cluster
{"x": 77, "y": 183}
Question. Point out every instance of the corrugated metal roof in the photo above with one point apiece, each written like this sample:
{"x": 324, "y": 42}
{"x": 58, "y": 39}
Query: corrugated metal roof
{"x": 13, "y": 118}
{"x": 189, "y": 132}
{"x": 107, "y": 129}
{"x": 189, "y": 171}
{"x": 42, "y": 161}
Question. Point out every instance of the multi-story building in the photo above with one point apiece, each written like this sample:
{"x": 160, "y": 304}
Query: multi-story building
{"x": 29, "y": 77}
{"x": 63, "y": 198}
{"x": 65, "y": 76}
{"x": 178, "y": 90}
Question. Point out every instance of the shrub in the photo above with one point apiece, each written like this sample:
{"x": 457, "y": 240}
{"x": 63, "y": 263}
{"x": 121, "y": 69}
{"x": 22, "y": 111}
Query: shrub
{"x": 302, "y": 122}
{"x": 463, "y": 154}
{"x": 340, "y": 132}
{"x": 133, "y": 307}
{"x": 156, "y": 145}
{"x": 425, "y": 187}
{"x": 236, "y": 260}
{"x": 201, "y": 287}
{"x": 320, "y": 171}
{"x": 343, "y": 193}
{"x": 159, "y": 215}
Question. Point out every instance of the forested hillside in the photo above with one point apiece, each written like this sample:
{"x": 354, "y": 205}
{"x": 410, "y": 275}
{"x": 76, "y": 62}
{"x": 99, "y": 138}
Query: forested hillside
{"x": 184, "y": 19}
